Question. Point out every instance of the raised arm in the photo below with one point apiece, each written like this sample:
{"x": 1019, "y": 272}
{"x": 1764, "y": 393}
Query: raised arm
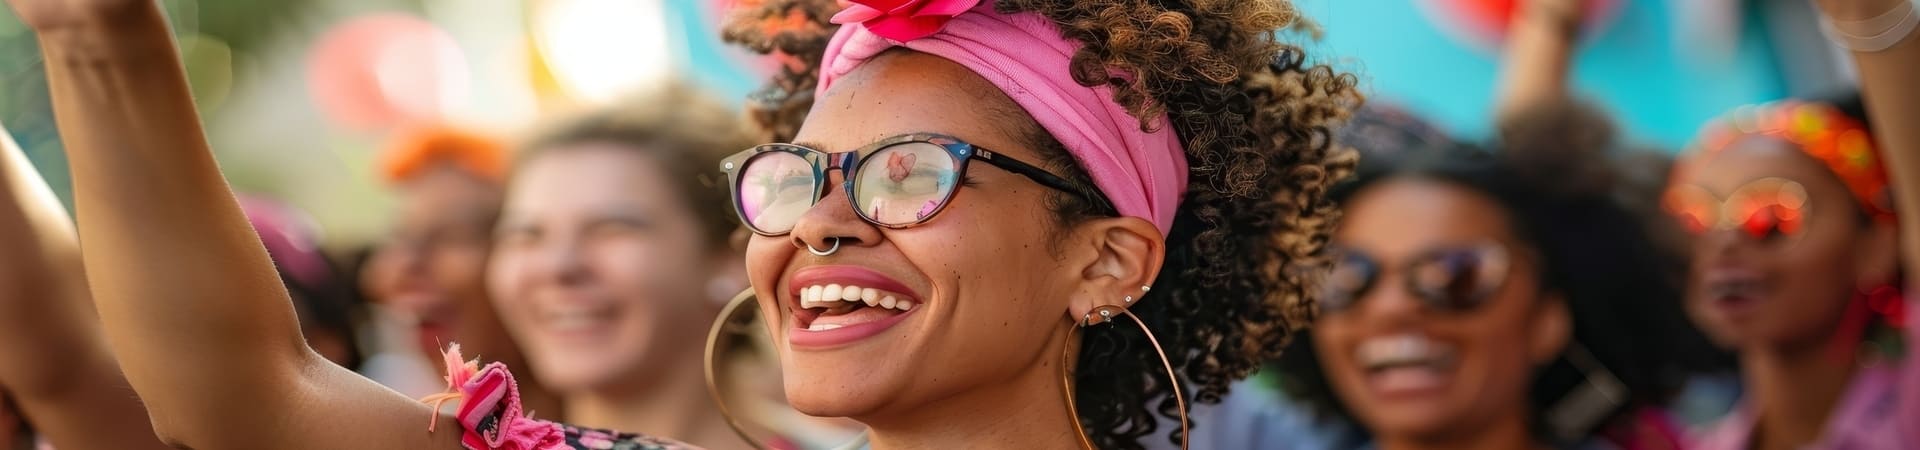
{"x": 1539, "y": 54}
{"x": 195, "y": 313}
{"x": 1890, "y": 86}
{"x": 52, "y": 356}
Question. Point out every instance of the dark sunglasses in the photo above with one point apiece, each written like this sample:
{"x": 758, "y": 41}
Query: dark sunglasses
{"x": 897, "y": 182}
{"x": 1447, "y": 279}
{"x": 1763, "y": 210}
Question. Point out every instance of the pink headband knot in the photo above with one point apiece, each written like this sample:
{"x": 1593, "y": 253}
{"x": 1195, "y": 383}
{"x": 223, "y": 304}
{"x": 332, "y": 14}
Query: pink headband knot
{"x": 1144, "y": 173}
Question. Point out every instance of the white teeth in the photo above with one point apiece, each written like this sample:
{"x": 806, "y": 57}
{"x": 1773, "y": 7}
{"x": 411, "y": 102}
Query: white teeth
{"x": 814, "y": 297}
{"x": 822, "y": 327}
{"x": 574, "y": 318}
{"x": 825, "y": 297}
{"x": 1402, "y": 350}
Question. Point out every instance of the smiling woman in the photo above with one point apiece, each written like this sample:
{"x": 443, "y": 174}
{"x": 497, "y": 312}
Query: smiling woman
{"x": 1162, "y": 160}
{"x": 1008, "y": 171}
{"x": 613, "y": 255}
{"x": 1497, "y": 302}
{"x": 1794, "y": 234}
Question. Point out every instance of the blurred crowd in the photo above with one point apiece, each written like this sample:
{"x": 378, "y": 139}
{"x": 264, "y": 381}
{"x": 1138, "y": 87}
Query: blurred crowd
{"x": 1388, "y": 282}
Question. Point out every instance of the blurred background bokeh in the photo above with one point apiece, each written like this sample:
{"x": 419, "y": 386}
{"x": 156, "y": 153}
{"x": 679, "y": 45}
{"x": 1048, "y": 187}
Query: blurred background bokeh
{"x": 300, "y": 95}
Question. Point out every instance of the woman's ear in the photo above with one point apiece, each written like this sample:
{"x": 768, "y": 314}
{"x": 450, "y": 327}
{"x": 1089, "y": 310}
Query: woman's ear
{"x": 1552, "y": 330}
{"x": 1117, "y": 263}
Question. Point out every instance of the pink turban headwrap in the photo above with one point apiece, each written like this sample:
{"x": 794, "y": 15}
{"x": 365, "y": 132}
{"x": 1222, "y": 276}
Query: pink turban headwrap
{"x": 1143, "y": 173}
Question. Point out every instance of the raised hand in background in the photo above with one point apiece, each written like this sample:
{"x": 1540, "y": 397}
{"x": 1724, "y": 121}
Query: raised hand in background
{"x": 189, "y": 301}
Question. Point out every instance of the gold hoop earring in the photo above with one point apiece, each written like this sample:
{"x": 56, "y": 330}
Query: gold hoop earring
{"x": 734, "y": 320}
{"x": 1106, "y": 314}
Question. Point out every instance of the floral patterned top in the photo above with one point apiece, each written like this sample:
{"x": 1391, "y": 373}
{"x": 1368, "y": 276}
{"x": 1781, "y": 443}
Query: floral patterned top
{"x": 492, "y": 416}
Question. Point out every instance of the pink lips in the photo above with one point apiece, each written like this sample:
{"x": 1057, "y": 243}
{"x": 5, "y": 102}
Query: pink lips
{"x": 800, "y": 337}
{"x": 804, "y": 338}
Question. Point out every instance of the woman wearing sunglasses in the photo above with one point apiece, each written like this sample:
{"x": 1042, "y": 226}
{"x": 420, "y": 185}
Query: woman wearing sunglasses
{"x": 1795, "y": 267}
{"x": 977, "y": 183}
{"x": 1495, "y": 302}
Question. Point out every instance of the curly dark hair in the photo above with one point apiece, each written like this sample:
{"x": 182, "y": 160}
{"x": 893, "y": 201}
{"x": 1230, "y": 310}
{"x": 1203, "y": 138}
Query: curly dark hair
{"x": 1256, "y": 120}
{"x": 1567, "y": 200}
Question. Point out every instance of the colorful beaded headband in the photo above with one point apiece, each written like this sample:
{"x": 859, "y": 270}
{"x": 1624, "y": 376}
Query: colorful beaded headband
{"x": 1835, "y": 139}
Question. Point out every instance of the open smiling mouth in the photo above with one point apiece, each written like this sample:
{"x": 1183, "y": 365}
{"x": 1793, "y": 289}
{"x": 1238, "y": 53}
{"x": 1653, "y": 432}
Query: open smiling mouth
{"x": 832, "y": 314}
{"x": 1732, "y": 291}
{"x": 835, "y": 306}
{"x": 1406, "y": 363}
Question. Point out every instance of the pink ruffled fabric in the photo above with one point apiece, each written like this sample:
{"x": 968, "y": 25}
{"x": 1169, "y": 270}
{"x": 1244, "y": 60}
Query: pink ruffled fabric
{"x": 490, "y": 393}
{"x": 493, "y": 419}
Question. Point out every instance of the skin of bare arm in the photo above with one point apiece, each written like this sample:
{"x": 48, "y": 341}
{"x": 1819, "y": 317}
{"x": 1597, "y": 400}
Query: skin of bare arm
{"x": 1539, "y": 55}
{"x": 190, "y": 303}
{"x": 52, "y": 356}
{"x": 1890, "y": 85}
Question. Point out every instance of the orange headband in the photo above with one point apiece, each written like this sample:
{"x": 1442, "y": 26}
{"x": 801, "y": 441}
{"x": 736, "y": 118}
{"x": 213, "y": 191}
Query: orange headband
{"x": 418, "y": 149}
{"x": 1838, "y": 141}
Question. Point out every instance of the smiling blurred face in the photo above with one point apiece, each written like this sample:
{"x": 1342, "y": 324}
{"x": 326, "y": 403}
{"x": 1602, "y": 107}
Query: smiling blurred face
{"x": 1406, "y": 368}
{"x": 986, "y": 300}
{"x": 601, "y": 270}
{"x": 1781, "y": 287}
{"x": 433, "y": 264}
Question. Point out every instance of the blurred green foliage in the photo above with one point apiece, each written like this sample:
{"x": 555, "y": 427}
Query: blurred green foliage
{"x": 246, "y": 26}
